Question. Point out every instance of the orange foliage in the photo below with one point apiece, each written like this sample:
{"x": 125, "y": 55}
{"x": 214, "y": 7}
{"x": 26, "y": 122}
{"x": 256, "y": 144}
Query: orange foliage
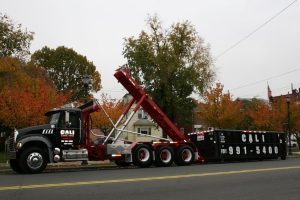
{"x": 24, "y": 99}
{"x": 219, "y": 110}
{"x": 279, "y": 115}
{"x": 261, "y": 114}
{"x": 273, "y": 116}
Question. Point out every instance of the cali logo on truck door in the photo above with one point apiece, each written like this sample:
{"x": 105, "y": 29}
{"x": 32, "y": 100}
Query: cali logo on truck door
{"x": 67, "y": 137}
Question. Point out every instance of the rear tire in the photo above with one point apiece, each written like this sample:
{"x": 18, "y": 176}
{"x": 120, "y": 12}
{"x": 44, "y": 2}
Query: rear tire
{"x": 164, "y": 156}
{"x": 33, "y": 160}
{"x": 184, "y": 155}
{"x": 142, "y": 156}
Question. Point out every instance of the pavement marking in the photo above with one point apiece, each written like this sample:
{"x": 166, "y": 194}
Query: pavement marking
{"x": 51, "y": 185}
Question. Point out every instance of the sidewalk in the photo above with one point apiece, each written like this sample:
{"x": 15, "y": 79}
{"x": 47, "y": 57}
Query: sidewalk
{"x": 296, "y": 154}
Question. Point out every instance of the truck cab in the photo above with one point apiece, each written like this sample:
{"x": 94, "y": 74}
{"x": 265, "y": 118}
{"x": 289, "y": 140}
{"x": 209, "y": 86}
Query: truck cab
{"x": 66, "y": 131}
{"x": 30, "y": 149}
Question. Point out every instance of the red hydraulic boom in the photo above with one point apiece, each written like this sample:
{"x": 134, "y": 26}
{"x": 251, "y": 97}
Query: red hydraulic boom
{"x": 150, "y": 107}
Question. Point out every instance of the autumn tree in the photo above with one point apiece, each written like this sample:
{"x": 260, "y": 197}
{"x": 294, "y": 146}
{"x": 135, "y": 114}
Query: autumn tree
{"x": 24, "y": 99}
{"x": 282, "y": 116}
{"x": 170, "y": 64}
{"x": 66, "y": 69}
{"x": 259, "y": 113}
{"x": 14, "y": 40}
{"x": 279, "y": 114}
{"x": 219, "y": 110}
{"x": 113, "y": 108}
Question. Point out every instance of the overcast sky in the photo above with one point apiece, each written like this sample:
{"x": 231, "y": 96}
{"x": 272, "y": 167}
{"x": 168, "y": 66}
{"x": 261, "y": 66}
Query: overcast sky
{"x": 97, "y": 29}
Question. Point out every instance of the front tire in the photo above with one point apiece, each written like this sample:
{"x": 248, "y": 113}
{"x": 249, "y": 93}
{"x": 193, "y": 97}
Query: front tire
{"x": 33, "y": 160}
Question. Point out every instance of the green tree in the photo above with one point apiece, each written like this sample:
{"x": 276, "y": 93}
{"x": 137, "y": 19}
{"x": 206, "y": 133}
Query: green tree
{"x": 66, "y": 69}
{"x": 14, "y": 41}
{"x": 170, "y": 64}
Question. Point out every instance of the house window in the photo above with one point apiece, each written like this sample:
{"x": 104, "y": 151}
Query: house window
{"x": 146, "y": 131}
{"x": 142, "y": 114}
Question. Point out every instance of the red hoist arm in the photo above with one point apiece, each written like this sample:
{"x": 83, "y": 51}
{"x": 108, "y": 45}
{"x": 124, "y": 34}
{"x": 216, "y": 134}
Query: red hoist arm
{"x": 149, "y": 106}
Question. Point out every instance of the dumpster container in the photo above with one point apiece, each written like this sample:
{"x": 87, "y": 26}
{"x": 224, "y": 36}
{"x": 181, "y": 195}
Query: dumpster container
{"x": 220, "y": 144}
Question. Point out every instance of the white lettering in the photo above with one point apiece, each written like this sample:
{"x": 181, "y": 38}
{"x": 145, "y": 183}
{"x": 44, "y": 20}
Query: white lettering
{"x": 270, "y": 150}
{"x": 67, "y": 133}
{"x": 250, "y": 138}
{"x": 244, "y": 138}
{"x": 264, "y": 150}
{"x": 238, "y": 150}
{"x": 245, "y": 150}
{"x": 276, "y": 150}
{"x": 230, "y": 149}
{"x": 223, "y": 151}
{"x": 257, "y": 150}
{"x": 263, "y": 137}
{"x": 256, "y": 138}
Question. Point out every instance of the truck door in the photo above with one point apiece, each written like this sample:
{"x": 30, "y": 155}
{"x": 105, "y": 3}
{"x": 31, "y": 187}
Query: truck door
{"x": 70, "y": 129}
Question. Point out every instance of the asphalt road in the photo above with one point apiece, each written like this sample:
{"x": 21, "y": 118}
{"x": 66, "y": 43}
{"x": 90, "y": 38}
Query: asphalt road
{"x": 274, "y": 179}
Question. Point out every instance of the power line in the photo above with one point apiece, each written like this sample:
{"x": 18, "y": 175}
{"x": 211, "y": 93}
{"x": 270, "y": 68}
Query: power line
{"x": 255, "y": 30}
{"x": 266, "y": 79}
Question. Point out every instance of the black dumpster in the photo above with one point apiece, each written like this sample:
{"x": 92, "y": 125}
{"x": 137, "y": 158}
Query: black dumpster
{"x": 215, "y": 145}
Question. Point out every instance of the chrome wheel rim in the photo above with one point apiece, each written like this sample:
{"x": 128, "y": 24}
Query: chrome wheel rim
{"x": 35, "y": 160}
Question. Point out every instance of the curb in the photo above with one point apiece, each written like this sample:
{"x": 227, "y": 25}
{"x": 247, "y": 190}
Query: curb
{"x": 69, "y": 166}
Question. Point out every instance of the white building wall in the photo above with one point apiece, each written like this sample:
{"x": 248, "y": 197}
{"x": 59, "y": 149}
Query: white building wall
{"x": 155, "y": 129}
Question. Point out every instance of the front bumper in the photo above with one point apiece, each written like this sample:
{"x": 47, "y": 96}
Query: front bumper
{"x": 10, "y": 148}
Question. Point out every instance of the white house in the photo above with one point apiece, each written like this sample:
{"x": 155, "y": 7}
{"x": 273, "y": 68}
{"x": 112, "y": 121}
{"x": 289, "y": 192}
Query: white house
{"x": 141, "y": 123}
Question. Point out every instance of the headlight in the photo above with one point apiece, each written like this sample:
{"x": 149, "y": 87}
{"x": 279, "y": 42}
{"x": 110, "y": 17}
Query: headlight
{"x": 19, "y": 145}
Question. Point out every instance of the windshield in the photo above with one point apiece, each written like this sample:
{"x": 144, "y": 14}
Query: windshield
{"x": 54, "y": 118}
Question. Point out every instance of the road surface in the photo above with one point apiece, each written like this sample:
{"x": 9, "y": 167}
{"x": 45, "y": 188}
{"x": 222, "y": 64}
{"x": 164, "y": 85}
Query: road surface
{"x": 275, "y": 179}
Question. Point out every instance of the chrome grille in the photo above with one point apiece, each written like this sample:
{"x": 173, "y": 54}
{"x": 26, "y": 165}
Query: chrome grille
{"x": 10, "y": 148}
{"x": 11, "y": 143}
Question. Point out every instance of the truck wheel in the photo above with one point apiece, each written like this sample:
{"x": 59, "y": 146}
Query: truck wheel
{"x": 184, "y": 155}
{"x": 142, "y": 156}
{"x": 164, "y": 156}
{"x": 14, "y": 165}
{"x": 33, "y": 160}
